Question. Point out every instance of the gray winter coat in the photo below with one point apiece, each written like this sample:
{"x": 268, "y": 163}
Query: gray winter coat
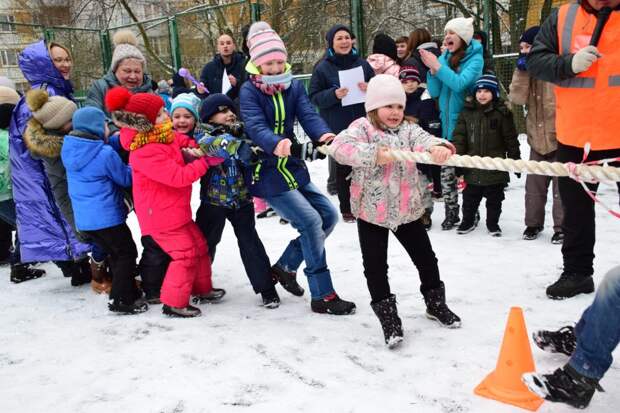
{"x": 97, "y": 91}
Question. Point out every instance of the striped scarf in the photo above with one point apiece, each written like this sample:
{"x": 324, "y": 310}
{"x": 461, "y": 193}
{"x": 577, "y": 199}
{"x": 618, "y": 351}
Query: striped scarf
{"x": 161, "y": 133}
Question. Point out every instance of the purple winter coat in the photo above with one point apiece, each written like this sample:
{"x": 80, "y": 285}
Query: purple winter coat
{"x": 44, "y": 235}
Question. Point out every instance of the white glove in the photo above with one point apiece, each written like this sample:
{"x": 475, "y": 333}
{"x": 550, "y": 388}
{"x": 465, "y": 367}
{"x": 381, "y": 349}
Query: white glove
{"x": 583, "y": 59}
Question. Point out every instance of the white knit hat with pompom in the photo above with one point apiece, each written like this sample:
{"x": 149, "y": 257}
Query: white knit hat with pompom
{"x": 125, "y": 47}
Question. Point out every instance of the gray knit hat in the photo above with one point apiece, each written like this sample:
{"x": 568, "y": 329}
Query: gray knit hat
{"x": 125, "y": 47}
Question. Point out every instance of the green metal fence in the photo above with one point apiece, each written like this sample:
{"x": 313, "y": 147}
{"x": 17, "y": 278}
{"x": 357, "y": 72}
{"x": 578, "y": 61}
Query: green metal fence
{"x": 188, "y": 38}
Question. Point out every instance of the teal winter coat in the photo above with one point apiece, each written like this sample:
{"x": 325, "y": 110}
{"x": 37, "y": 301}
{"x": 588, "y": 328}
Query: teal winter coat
{"x": 452, "y": 87}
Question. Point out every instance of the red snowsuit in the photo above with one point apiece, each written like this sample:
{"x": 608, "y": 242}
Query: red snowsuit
{"x": 162, "y": 188}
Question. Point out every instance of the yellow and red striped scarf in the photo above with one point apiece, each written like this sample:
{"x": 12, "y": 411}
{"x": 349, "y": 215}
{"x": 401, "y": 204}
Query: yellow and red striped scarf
{"x": 161, "y": 133}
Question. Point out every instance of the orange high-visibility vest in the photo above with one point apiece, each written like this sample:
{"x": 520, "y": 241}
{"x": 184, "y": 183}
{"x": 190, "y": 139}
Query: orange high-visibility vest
{"x": 588, "y": 105}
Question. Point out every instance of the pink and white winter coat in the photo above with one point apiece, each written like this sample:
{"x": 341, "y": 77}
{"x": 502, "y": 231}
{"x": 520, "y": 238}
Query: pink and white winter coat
{"x": 383, "y": 64}
{"x": 387, "y": 195}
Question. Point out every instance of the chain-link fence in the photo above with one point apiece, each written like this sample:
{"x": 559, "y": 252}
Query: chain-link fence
{"x": 188, "y": 38}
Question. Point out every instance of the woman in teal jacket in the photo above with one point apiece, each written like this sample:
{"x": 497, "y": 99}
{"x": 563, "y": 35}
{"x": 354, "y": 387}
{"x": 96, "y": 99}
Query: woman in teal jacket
{"x": 450, "y": 78}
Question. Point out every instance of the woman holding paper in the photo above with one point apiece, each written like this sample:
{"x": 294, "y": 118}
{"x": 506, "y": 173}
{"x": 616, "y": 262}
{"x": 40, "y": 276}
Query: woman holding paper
{"x": 339, "y": 105}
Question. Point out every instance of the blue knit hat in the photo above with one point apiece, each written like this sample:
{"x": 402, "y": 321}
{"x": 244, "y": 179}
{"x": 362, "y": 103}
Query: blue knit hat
{"x": 488, "y": 82}
{"x": 529, "y": 35}
{"x": 187, "y": 101}
{"x": 89, "y": 119}
{"x": 214, "y": 104}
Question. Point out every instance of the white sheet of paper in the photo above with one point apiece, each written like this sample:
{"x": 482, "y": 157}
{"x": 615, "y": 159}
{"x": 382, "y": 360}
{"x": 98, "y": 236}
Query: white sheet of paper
{"x": 226, "y": 86}
{"x": 350, "y": 79}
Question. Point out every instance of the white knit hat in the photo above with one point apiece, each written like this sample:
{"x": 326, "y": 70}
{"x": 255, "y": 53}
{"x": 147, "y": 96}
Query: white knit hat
{"x": 384, "y": 90}
{"x": 463, "y": 27}
{"x": 125, "y": 47}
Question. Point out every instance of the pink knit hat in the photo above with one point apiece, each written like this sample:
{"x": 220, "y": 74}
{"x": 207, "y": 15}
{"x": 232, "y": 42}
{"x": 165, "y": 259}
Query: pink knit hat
{"x": 265, "y": 44}
{"x": 384, "y": 90}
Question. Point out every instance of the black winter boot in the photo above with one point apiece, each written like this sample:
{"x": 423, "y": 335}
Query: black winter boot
{"x": 452, "y": 218}
{"x": 565, "y": 385}
{"x": 184, "y": 312}
{"x": 288, "y": 280}
{"x": 560, "y": 341}
{"x": 24, "y": 272}
{"x": 270, "y": 298}
{"x": 332, "y": 304}
{"x": 121, "y": 307}
{"x": 437, "y": 309}
{"x": 213, "y": 297}
{"x": 387, "y": 313}
{"x": 570, "y": 285}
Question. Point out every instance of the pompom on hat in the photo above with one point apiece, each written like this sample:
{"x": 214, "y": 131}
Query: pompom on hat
{"x": 384, "y": 90}
{"x": 137, "y": 111}
{"x": 463, "y": 27}
{"x": 52, "y": 112}
{"x": 125, "y": 47}
{"x": 265, "y": 44}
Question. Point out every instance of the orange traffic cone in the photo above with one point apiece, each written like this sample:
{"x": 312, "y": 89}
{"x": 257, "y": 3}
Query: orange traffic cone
{"x": 515, "y": 358}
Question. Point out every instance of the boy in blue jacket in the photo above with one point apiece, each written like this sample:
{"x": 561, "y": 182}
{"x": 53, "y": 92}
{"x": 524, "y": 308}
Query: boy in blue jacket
{"x": 270, "y": 102}
{"x": 96, "y": 174}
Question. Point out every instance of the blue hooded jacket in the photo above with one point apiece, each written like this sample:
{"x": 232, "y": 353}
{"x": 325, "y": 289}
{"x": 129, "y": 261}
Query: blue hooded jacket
{"x": 269, "y": 119}
{"x": 451, "y": 87}
{"x": 44, "y": 234}
{"x": 95, "y": 173}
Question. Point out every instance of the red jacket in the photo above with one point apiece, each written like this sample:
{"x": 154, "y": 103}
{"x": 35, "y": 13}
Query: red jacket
{"x": 162, "y": 182}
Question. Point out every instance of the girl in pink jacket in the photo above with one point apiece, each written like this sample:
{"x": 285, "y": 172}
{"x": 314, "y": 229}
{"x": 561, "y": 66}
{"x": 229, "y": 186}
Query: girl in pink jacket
{"x": 385, "y": 196}
{"x": 162, "y": 188}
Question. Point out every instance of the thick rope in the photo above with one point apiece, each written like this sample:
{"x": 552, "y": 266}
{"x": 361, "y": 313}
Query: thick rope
{"x": 584, "y": 172}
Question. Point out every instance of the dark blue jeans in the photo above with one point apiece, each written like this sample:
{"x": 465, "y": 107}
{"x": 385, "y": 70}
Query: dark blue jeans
{"x": 314, "y": 217}
{"x": 211, "y": 220}
{"x": 598, "y": 330}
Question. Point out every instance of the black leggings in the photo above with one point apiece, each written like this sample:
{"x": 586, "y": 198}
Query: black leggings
{"x": 374, "y": 244}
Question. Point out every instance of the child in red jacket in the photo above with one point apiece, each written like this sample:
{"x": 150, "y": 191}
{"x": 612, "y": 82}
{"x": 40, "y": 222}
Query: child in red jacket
{"x": 162, "y": 188}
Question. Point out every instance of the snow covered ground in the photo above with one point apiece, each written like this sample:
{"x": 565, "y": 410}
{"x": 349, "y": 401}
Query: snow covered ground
{"x": 62, "y": 351}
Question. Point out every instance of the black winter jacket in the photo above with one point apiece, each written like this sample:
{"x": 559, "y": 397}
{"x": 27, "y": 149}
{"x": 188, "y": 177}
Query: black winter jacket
{"x": 213, "y": 72}
{"x": 323, "y": 85}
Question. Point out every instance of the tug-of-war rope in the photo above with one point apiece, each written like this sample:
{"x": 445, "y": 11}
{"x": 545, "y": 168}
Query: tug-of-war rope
{"x": 584, "y": 172}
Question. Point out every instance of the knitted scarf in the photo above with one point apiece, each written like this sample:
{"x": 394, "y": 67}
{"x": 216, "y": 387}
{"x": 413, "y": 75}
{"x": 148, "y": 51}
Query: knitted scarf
{"x": 270, "y": 85}
{"x": 161, "y": 133}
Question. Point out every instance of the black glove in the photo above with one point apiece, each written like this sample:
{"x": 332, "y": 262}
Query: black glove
{"x": 307, "y": 151}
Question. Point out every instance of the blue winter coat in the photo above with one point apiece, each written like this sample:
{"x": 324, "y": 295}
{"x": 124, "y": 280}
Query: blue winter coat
{"x": 44, "y": 235}
{"x": 323, "y": 85}
{"x": 273, "y": 175}
{"x": 452, "y": 87}
{"x": 95, "y": 173}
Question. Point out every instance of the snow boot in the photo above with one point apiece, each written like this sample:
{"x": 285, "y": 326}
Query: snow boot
{"x": 101, "y": 281}
{"x": 181, "y": 312}
{"x": 561, "y": 341}
{"x": 332, "y": 304}
{"x": 437, "y": 309}
{"x": 426, "y": 220}
{"x": 570, "y": 285}
{"x": 288, "y": 280}
{"x": 531, "y": 233}
{"x": 348, "y": 217}
{"x": 269, "y": 212}
{"x": 24, "y": 272}
{"x": 387, "y": 313}
{"x": 121, "y": 307}
{"x": 557, "y": 238}
{"x": 452, "y": 218}
{"x": 565, "y": 385}
{"x": 212, "y": 297}
{"x": 270, "y": 298}
{"x": 494, "y": 230}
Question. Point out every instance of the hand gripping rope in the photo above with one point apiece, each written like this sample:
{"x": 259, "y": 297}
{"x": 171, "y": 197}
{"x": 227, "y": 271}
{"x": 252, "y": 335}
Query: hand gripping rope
{"x": 584, "y": 172}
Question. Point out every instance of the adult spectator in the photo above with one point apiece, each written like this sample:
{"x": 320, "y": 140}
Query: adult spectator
{"x": 44, "y": 234}
{"x": 325, "y": 93}
{"x": 587, "y": 97}
{"x": 402, "y": 51}
{"x": 450, "y": 78}
{"x": 420, "y": 39}
{"x": 128, "y": 69}
{"x": 227, "y": 59}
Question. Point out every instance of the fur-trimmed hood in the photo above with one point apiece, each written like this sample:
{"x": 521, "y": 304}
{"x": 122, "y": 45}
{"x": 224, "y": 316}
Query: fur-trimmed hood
{"x": 41, "y": 142}
{"x": 124, "y": 119}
